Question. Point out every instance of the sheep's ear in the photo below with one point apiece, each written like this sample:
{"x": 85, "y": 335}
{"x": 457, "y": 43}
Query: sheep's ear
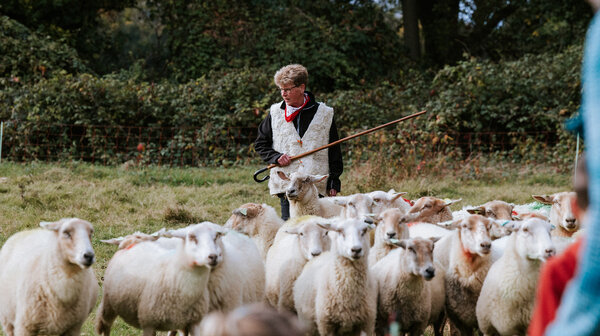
{"x": 450, "y": 202}
{"x": 434, "y": 239}
{"x": 329, "y": 226}
{"x": 292, "y": 230}
{"x": 398, "y": 195}
{"x": 52, "y": 226}
{"x": 283, "y": 176}
{"x": 113, "y": 241}
{"x": 451, "y": 224}
{"x": 340, "y": 200}
{"x": 179, "y": 233}
{"x": 477, "y": 211}
{"x": 400, "y": 243}
{"x": 318, "y": 178}
{"x": 545, "y": 199}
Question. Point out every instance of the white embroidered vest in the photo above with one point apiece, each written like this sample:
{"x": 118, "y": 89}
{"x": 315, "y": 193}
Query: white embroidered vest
{"x": 287, "y": 140}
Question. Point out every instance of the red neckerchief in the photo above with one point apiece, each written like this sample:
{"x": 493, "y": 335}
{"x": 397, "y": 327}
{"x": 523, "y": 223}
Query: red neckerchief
{"x": 293, "y": 115}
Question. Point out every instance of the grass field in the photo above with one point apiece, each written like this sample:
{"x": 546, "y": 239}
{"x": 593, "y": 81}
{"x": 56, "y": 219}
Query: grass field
{"x": 119, "y": 201}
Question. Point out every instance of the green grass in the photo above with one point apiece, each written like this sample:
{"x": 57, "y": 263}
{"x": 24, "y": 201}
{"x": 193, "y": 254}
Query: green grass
{"x": 119, "y": 201}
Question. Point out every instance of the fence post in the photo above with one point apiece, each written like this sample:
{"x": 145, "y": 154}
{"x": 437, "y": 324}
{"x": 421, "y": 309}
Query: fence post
{"x": 1, "y": 133}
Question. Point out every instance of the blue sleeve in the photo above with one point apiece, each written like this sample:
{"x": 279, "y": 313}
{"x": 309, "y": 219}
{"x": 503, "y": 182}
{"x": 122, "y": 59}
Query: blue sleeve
{"x": 579, "y": 313}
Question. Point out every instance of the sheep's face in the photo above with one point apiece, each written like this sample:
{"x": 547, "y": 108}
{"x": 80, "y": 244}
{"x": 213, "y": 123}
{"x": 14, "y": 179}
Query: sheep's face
{"x": 494, "y": 210}
{"x": 532, "y": 239}
{"x": 383, "y": 200}
{"x": 313, "y": 238}
{"x": 429, "y": 210}
{"x": 74, "y": 240}
{"x": 301, "y": 185}
{"x": 355, "y": 206}
{"x": 419, "y": 256}
{"x": 246, "y": 218}
{"x": 561, "y": 213}
{"x": 474, "y": 234}
{"x": 390, "y": 226}
{"x": 349, "y": 237}
{"x": 202, "y": 244}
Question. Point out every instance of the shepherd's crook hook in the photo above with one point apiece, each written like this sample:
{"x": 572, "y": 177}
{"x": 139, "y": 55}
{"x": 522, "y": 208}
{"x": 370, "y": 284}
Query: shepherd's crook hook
{"x": 333, "y": 144}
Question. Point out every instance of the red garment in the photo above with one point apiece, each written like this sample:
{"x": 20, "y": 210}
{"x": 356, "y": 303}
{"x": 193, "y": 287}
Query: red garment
{"x": 554, "y": 277}
{"x": 291, "y": 117}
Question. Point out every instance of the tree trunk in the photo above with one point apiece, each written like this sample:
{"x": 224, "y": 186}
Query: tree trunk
{"x": 439, "y": 19}
{"x": 411, "y": 28}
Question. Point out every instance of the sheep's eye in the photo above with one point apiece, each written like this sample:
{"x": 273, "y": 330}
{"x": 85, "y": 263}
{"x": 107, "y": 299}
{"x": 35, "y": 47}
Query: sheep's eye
{"x": 325, "y": 234}
{"x": 351, "y": 204}
{"x": 426, "y": 206}
{"x": 301, "y": 234}
{"x": 411, "y": 250}
{"x": 67, "y": 234}
{"x": 376, "y": 200}
{"x": 525, "y": 230}
{"x": 363, "y": 232}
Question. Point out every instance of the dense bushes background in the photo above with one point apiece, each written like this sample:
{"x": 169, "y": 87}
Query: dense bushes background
{"x": 209, "y": 65}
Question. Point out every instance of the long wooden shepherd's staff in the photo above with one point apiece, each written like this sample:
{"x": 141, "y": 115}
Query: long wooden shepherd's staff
{"x": 273, "y": 165}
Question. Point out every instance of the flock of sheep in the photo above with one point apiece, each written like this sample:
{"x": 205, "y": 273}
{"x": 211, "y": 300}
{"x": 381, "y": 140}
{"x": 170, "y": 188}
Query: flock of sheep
{"x": 342, "y": 264}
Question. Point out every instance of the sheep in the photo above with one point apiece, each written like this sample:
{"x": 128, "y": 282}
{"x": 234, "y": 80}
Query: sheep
{"x": 465, "y": 255}
{"x": 389, "y": 229}
{"x": 403, "y": 284}
{"x": 297, "y": 242}
{"x": 153, "y": 287}
{"x": 335, "y": 293}
{"x": 507, "y": 296}
{"x": 304, "y": 196}
{"x": 426, "y": 230}
{"x": 259, "y": 221}
{"x": 354, "y": 206}
{"x": 46, "y": 279}
{"x": 430, "y": 210}
{"x": 561, "y": 213}
{"x": 386, "y": 200}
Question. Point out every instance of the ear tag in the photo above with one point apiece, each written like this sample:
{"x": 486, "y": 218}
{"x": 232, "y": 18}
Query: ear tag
{"x": 244, "y": 211}
{"x": 394, "y": 241}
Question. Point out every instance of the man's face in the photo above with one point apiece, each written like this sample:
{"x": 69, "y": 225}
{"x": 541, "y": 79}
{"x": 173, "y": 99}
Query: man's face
{"x": 292, "y": 95}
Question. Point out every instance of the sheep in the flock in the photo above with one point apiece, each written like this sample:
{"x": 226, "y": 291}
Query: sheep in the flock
{"x": 354, "y": 206}
{"x": 46, "y": 283}
{"x": 430, "y": 210}
{"x": 304, "y": 196}
{"x": 405, "y": 286}
{"x": 297, "y": 242}
{"x": 259, "y": 221}
{"x": 507, "y": 296}
{"x": 561, "y": 213}
{"x": 335, "y": 293}
{"x": 389, "y": 229}
{"x": 465, "y": 255}
{"x": 132, "y": 239}
{"x": 386, "y": 200}
{"x": 153, "y": 287}
{"x": 499, "y": 210}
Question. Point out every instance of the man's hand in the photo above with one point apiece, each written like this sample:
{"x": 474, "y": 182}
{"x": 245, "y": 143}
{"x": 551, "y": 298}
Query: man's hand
{"x": 284, "y": 160}
{"x": 332, "y": 192}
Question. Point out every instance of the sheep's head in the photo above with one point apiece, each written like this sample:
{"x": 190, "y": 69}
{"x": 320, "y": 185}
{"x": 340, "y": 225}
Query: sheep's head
{"x": 301, "y": 185}
{"x": 355, "y": 206}
{"x": 561, "y": 213}
{"x": 132, "y": 239}
{"x": 494, "y": 210}
{"x": 532, "y": 239}
{"x": 247, "y": 218}
{"x": 474, "y": 234}
{"x": 201, "y": 243}
{"x": 430, "y": 210}
{"x": 349, "y": 237}
{"x": 390, "y": 226}
{"x": 384, "y": 200}
{"x": 312, "y": 237}
{"x": 74, "y": 240}
{"x": 420, "y": 256}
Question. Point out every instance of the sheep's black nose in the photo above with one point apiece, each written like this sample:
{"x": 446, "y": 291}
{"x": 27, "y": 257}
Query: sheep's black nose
{"x": 486, "y": 246}
{"x": 356, "y": 250}
{"x": 88, "y": 257}
{"x": 212, "y": 258}
{"x": 391, "y": 235}
{"x": 429, "y": 272}
{"x": 315, "y": 253}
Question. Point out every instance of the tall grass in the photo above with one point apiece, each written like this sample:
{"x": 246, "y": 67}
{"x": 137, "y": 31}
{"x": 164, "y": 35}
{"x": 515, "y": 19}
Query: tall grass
{"x": 119, "y": 201}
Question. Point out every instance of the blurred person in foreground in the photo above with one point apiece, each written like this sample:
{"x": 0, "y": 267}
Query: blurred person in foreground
{"x": 252, "y": 320}
{"x": 560, "y": 270}
{"x": 579, "y": 312}
{"x": 297, "y": 125}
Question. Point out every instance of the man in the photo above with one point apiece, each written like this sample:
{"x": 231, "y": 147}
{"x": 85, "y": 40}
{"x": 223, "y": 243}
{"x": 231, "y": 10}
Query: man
{"x": 296, "y": 125}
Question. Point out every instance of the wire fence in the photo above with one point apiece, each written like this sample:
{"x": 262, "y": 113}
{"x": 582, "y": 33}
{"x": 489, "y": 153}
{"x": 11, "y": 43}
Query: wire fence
{"x": 210, "y": 146}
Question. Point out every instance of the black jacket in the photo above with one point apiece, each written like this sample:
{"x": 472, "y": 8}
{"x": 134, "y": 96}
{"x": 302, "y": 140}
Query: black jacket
{"x": 264, "y": 141}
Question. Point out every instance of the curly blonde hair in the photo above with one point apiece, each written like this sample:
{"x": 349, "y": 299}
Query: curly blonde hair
{"x": 295, "y": 74}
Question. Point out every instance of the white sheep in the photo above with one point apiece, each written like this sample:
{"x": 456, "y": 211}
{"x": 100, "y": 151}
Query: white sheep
{"x": 389, "y": 229}
{"x": 465, "y": 255}
{"x": 430, "y": 209}
{"x": 46, "y": 283}
{"x": 403, "y": 284}
{"x": 153, "y": 287}
{"x": 561, "y": 213}
{"x": 508, "y": 293}
{"x": 304, "y": 197}
{"x": 297, "y": 242}
{"x": 386, "y": 200}
{"x": 354, "y": 206}
{"x": 259, "y": 221}
{"x": 335, "y": 293}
